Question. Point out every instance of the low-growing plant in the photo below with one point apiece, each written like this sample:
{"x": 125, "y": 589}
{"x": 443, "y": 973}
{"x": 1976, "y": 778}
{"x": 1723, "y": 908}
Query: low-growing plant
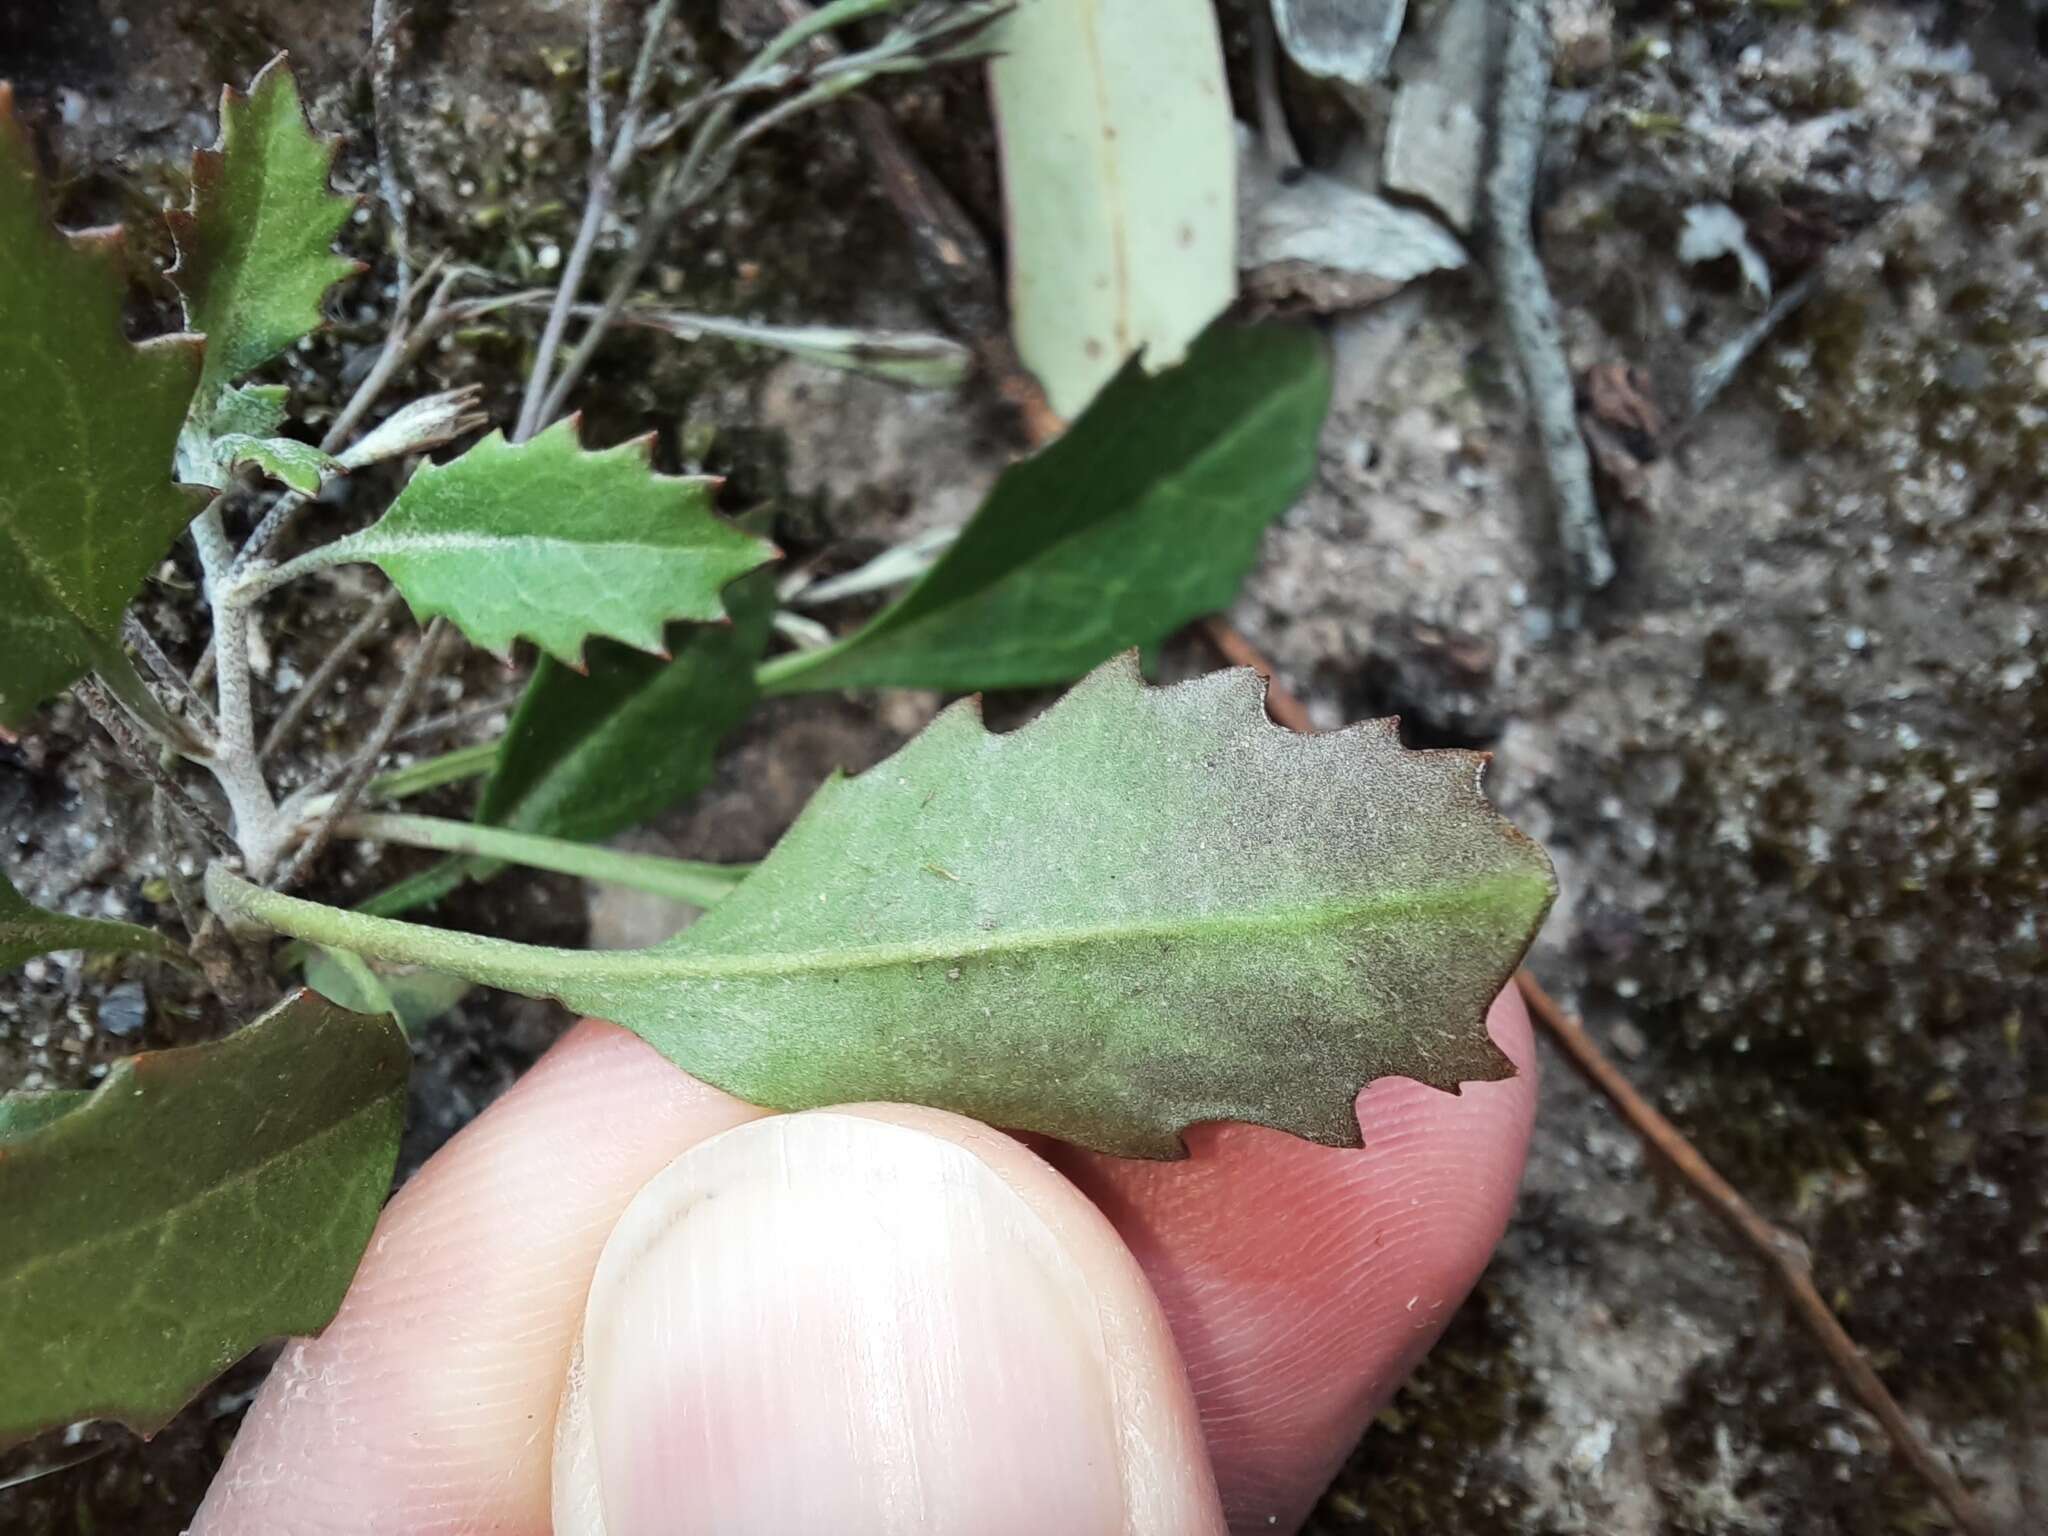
{"x": 1147, "y": 908}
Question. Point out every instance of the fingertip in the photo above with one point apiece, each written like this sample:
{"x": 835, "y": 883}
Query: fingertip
{"x": 1303, "y": 1282}
{"x": 914, "y": 1311}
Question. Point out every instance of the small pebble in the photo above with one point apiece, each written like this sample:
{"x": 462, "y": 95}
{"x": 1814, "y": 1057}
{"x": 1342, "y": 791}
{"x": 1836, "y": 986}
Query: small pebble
{"x": 124, "y": 1010}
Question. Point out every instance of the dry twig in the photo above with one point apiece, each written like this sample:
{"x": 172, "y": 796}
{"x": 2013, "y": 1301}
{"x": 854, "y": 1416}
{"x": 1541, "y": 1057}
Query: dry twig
{"x": 1524, "y": 293}
{"x": 1784, "y": 1255}
{"x": 364, "y": 768}
{"x": 140, "y": 756}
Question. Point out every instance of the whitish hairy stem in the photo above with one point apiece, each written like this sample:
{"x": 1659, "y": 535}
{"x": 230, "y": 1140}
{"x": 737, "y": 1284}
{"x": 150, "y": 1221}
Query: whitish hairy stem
{"x": 1526, "y": 304}
{"x": 606, "y": 169}
{"x": 395, "y": 712}
{"x": 258, "y": 829}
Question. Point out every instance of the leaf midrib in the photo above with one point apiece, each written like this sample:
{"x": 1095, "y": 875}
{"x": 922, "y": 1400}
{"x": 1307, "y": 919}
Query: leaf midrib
{"x": 159, "y": 1215}
{"x": 496, "y": 962}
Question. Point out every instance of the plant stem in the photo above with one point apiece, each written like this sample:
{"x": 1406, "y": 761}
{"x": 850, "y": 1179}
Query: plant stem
{"x": 433, "y": 772}
{"x": 525, "y": 968}
{"x": 258, "y": 829}
{"x": 699, "y": 885}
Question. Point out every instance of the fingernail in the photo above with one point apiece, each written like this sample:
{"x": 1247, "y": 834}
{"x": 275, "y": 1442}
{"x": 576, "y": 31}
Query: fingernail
{"x": 831, "y": 1322}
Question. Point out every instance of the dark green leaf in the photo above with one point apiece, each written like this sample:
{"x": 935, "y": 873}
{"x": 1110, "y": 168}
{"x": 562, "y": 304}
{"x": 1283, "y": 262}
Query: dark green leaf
{"x": 88, "y": 428}
{"x": 587, "y": 756}
{"x": 545, "y": 541}
{"x": 31, "y": 1110}
{"x": 203, "y": 1201}
{"x": 27, "y": 930}
{"x": 1147, "y": 908}
{"x": 1147, "y": 513}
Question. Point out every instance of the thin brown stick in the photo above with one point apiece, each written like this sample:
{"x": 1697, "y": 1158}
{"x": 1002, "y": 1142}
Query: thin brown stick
{"x": 315, "y": 687}
{"x": 1784, "y": 1255}
{"x": 364, "y": 769}
{"x": 1283, "y": 706}
{"x": 141, "y": 757}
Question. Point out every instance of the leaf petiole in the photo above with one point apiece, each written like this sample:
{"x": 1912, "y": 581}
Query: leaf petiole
{"x": 684, "y": 880}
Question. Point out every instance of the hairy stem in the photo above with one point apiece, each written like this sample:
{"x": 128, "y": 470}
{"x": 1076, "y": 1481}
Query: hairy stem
{"x": 258, "y": 829}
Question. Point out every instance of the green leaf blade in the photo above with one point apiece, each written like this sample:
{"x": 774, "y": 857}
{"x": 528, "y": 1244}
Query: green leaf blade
{"x": 1146, "y": 909}
{"x": 1146, "y": 514}
{"x": 589, "y": 754}
{"x": 546, "y": 541}
{"x": 255, "y": 248}
{"x": 130, "y": 1278}
{"x": 1154, "y": 899}
{"x": 27, "y": 930}
{"x": 87, "y": 500}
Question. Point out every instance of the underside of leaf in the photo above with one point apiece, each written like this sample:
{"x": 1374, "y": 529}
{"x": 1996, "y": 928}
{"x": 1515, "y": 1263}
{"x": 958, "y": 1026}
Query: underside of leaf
{"x": 1146, "y": 909}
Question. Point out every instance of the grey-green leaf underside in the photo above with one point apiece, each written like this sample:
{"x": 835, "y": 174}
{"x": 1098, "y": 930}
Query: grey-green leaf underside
{"x": 1146, "y": 909}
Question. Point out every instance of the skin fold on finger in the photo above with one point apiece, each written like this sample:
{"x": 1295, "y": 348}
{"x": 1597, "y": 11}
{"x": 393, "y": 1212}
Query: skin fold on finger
{"x": 877, "y": 1321}
{"x": 427, "y": 1406}
{"x": 1304, "y": 1283}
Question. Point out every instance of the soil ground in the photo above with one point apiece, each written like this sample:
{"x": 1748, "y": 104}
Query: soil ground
{"x": 1791, "y": 768}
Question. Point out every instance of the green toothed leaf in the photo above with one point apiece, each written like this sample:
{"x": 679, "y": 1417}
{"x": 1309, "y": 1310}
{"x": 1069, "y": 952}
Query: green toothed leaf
{"x": 88, "y": 429}
{"x": 1146, "y": 514}
{"x": 1145, "y": 909}
{"x": 255, "y": 261}
{"x": 298, "y": 465}
{"x": 255, "y": 248}
{"x": 27, "y": 930}
{"x": 200, "y": 1202}
{"x": 548, "y": 542}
